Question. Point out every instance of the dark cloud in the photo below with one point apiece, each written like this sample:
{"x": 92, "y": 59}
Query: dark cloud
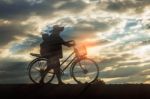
{"x": 18, "y": 11}
{"x": 145, "y": 72}
{"x": 110, "y": 62}
{"x": 9, "y": 31}
{"x": 12, "y": 64}
{"x": 123, "y": 6}
{"x": 85, "y": 29}
{"x": 13, "y": 70}
{"x": 74, "y": 6}
{"x": 16, "y": 80}
{"x": 121, "y": 72}
{"x": 94, "y": 26}
{"x": 23, "y": 9}
{"x": 31, "y": 42}
{"x": 131, "y": 79}
{"x": 123, "y": 67}
{"x": 115, "y": 59}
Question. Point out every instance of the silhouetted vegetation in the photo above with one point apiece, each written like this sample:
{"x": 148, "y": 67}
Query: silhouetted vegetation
{"x": 99, "y": 81}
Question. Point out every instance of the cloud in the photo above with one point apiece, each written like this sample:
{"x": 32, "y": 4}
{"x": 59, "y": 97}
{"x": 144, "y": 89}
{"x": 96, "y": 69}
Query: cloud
{"x": 145, "y": 72}
{"x": 72, "y": 6}
{"x": 134, "y": 6}
{"x": 11, "y": 70}
{"x": 118, "y": 29}
{"x": 124, "y": 70}
{"x": 131, "y": 79}
{"x": 27, "y": 45}
{"x": 23, "y": 9}
{"x": 121, "y": 72}
{"x": 9, "y": 32}
{"x": 45, "y": 8}
{"x": 33, "y": 2}
{"x": 84, "y": 27}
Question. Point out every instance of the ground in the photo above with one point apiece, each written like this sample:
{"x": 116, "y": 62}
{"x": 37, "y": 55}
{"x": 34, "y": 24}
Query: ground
{"x": 104, "y": 91}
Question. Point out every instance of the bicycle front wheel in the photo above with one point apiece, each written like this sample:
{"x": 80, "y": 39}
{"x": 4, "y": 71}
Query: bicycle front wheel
{"x": 85, "y": 71}
{"x": 36, "y": 69}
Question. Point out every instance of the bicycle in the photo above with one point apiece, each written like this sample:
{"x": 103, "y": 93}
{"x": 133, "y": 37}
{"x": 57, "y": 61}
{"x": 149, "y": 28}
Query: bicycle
{"x": 82, "y": 68}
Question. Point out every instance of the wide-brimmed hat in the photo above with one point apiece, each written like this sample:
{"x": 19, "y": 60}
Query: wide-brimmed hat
{"x": 58, "y": 27}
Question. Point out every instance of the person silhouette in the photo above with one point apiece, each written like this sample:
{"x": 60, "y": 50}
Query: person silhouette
{"x": 51, "y": 48}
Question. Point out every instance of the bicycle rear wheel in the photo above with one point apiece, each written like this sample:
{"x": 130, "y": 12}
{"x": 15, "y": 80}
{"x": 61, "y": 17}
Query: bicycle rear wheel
{"x": 85, "y": 71}
{"x": 36, "y": 69}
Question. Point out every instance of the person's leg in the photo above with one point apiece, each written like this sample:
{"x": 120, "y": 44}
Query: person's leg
{"x": 58, "y": 75}
{"x": 53, "y": 63}
{"x": 44, "y": 74}
{"x": 57, "y": 70}
{"x": 49, "y": 67}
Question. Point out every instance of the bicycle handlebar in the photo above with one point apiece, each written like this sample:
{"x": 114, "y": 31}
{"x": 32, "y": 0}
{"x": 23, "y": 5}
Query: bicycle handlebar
{"x": 72, "y": 41}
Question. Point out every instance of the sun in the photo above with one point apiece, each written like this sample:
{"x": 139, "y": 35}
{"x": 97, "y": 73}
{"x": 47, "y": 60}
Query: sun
{"x": 92, "y": 46}
{"x": 93, "y": 51}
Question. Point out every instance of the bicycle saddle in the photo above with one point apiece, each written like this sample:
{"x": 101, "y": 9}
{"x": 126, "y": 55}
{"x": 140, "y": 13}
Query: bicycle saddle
{"x": 36, "y": 55}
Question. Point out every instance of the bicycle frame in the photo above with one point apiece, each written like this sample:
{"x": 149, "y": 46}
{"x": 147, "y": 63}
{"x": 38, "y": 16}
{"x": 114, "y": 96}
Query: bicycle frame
{"x": 73, "y": 59}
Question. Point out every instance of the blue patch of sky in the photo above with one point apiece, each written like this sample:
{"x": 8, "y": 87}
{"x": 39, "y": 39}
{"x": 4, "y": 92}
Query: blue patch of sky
{"x": 27, "y": 44}
{"x": 68, "y": 33}
{"x": 129, "y": 33}
{"x": 47, "y": 30}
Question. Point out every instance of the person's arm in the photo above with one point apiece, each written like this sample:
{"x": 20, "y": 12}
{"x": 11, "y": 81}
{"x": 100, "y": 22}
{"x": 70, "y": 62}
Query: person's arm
{"x": 68, "y": 43}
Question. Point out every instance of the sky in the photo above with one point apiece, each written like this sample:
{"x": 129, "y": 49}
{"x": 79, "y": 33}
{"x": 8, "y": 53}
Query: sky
{"x": 117, "y": 34}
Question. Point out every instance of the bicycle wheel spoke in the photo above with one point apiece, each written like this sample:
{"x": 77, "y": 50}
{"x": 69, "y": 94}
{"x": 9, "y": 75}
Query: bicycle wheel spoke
{"x": 37, "y": 69}
{"x": 49, "y": 75}
{"x": 81, "y": 66}
{"x": 51, "y": 72}
{"x": 44, "y": 66}
{"x": 39, "y": 63}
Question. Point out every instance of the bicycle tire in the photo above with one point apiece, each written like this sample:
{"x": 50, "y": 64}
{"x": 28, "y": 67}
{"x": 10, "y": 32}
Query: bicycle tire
{"x": 30, "y": 67}
{"x": 76, "y": 66}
